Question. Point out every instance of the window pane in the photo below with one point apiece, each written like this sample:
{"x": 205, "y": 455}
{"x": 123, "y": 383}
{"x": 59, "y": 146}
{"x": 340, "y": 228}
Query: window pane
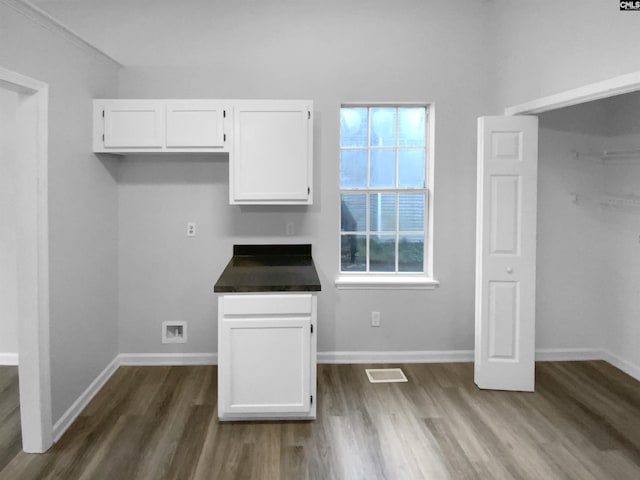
{"x": 411, "y": 130}
{"x": 411, "y": 253}
{"x": 353, "y": 127}
{"x": 382, "y": 257}
{"x": 383, "y": 168}
{"x": 353, "y": 168}
{"x": 411, "y": 168}
{"x": 382, "y": 212}
{"x": 411, "y": 211}
{"x": 353, "y": 256}
{"x": 353, "y": 217}
{"x": 383, "y": 127}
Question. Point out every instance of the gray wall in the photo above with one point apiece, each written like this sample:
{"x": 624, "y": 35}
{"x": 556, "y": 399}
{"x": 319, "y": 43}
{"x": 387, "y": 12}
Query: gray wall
{"x": 82, "y": 204}
{"x": 8, "y": 277}
{"x": 429, "y": 51}
{"x": 544, "y": 47}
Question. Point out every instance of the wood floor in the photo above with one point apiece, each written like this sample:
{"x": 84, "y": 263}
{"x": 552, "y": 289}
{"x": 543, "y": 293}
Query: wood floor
{"x": 10, "y": 438}
{"x": 156, "y": 423}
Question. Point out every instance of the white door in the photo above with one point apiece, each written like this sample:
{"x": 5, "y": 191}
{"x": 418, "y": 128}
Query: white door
{"x": 194, "y": 124}
{"x": 267, "y": 365}
{"x": 133, "y": 124}
{"x": 506, "y": 252}
{"x": 273, "y": 150}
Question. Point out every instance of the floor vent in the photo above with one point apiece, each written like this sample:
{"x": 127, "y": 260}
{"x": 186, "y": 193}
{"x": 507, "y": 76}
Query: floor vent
{"x": 385, "y": 375}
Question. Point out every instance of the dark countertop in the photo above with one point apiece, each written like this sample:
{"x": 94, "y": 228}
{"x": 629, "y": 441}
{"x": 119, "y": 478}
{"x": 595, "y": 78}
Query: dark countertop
{"x": 269, "y": 268}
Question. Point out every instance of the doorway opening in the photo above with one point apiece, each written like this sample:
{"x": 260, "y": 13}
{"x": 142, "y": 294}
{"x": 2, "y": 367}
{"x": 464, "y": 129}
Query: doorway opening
{"x": 25, "y": 225}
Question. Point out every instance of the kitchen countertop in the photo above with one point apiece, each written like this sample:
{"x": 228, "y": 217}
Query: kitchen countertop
{"x": 269, "y": 268}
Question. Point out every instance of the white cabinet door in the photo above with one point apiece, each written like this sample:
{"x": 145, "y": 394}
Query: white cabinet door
{"x": 266, "y": 368}
{"x": 506, "y": 252}
{"x": 266, "y": 363}
{"x": 194, "y": 124}
{"x": 133, "y": 124}
{"x": 272, "y": 161}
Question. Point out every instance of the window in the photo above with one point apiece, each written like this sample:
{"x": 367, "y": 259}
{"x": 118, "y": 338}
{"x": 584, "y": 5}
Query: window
{"x": 384, "y": 194}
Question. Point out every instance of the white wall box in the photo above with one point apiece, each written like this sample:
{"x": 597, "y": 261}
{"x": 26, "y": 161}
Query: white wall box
{"x": 267, "y": 356}
{"x": 272, "y": 161}
{"x": 147, "y": 126}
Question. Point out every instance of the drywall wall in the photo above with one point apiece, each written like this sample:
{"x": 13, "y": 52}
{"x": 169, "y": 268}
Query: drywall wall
{"x": 570, "y": 252}
{"x": 544, "y": 47}
{"x": 621, "y": 270}
{"x": 8, "y": 275}
{"x": 330, "y": 52}
{"x": 82, "y": 202}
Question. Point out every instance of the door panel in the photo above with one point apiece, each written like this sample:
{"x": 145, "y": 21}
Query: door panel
{"x": 506, "y": 252}
{"x": 133, "y": 124}
{"x": 194, "y": 124}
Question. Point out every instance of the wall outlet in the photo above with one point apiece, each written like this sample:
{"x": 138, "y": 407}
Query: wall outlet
{"x": 191, "y": 229}
{"x": 289, "y": 228}
{"x": 375, "y": 319}
{"x": 174, "y": 332}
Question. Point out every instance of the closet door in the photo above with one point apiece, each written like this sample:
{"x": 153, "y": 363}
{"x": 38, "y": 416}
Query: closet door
{"x": 506, "y": 252}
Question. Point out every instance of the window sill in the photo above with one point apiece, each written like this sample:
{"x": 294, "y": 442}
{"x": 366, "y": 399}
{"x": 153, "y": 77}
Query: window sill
{"x": 385, "y": 282}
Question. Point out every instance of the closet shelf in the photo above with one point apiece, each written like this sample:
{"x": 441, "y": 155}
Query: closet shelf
{"x": 631, "y": 156}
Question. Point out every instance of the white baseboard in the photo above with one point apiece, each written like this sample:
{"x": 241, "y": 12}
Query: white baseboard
{"x": 8, "y": 359}
{"x": 426, "y": 356}
{"x": 150, "y": 359}
{"x": 83, "y": 400}
{"x": 621, "y": 364}
{"x": 567, "y": 354}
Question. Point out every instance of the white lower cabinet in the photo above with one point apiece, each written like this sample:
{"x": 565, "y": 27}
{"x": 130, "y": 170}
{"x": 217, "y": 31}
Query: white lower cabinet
{"x": 266, "y": 356}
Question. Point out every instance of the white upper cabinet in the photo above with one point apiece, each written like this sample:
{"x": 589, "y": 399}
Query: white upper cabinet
{"x": 142, "y": 126}
{"x": 272, "y": 161}
{"x": 133, "y": 124}
{"x": 269, "y": 142}
{"x": 195, "y": 124}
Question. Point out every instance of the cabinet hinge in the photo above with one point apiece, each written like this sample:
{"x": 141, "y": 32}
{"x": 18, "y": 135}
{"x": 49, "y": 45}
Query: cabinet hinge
{"x": 311, "y": 399}
{"x": 102, "y": 113}
{"x": 309, "y": 114}
{"x": 103, "y": 137}
{"x": 224, "y": 114}
{"x": 308, "y": 190}
{"x": 312, "y": 328}
{"x": 224, "y": 137}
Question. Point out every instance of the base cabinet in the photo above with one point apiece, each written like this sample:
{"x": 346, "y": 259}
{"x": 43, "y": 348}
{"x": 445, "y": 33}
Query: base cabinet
{"x": 266, "y": 356}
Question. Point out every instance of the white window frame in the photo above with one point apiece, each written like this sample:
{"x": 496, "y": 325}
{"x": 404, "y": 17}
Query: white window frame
{"x": 397, "y": 280}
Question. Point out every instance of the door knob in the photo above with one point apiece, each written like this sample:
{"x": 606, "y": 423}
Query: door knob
{"x": 509, "y": 270}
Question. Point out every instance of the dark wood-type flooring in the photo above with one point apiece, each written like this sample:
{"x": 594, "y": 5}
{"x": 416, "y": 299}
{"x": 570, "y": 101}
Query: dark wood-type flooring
{"x": 10, "y": 437}
{"x": 583, "y": 422}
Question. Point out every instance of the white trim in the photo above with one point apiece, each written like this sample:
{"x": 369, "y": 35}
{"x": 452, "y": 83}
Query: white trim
{"x": 621, "y": 364}
{"x": 9, "y": 359}
{"x": 587, "y": 93}
{"x": 567, "y": 354}
{"x": 33, "y": 275}
{"x": 385, "y": 282}
{"x": 426, "y": 356}
{"x": 152, "y": 359}
{"x": 42, "y": 18}
{"x": 83, "y": 400}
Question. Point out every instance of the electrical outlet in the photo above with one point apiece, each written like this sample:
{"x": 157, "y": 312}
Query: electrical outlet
{"x": 191, "y": 229}
{"x": 289, "y": 228}
{"x": 375, "y": 319}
